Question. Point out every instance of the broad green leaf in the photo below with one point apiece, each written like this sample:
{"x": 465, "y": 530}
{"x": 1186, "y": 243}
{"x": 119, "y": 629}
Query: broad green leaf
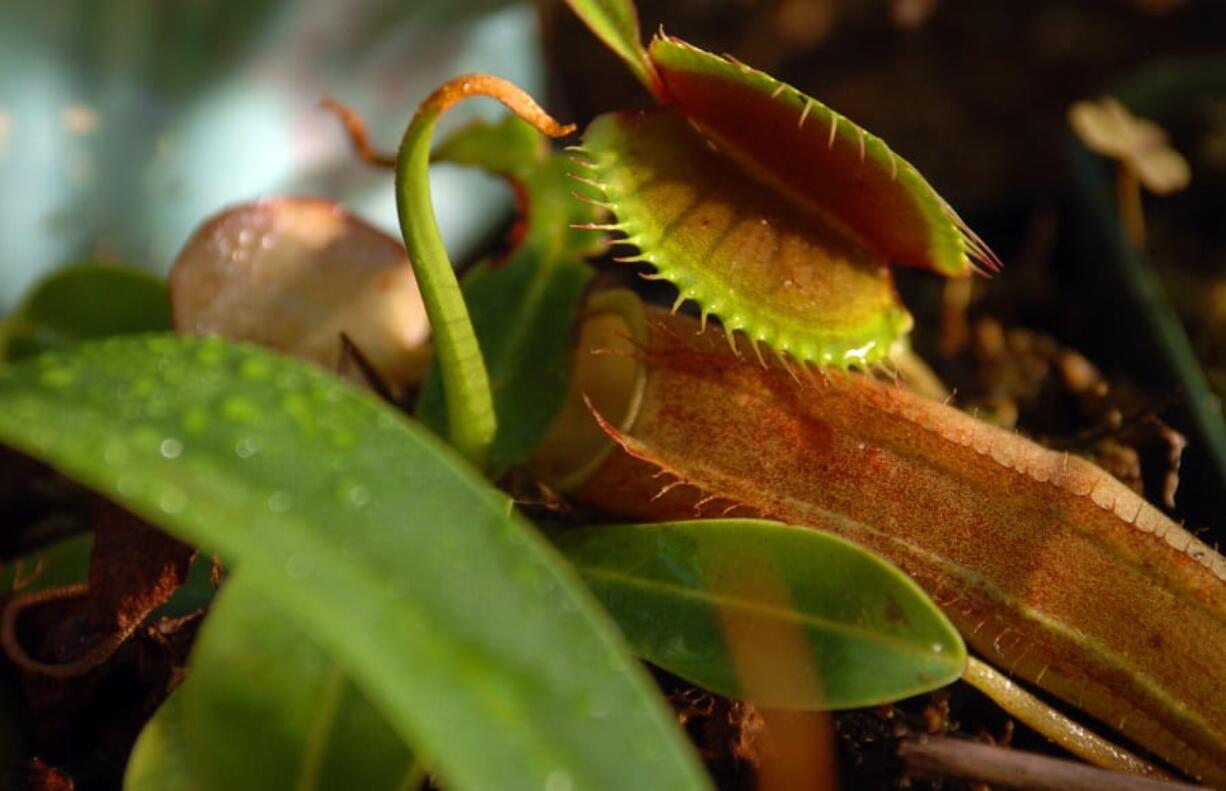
{"x": 784, "y": 616}
{"x": 264, "y": 707}
{"x": 743, "y": 251}
{"x": 449, "y": 612}
{"x": 84, "y": 302}
{"x": 161, "y": 758}
{"x": 616, "y": 23}
{"x": 524, "y": 307}
{"x": 816, "y": 156}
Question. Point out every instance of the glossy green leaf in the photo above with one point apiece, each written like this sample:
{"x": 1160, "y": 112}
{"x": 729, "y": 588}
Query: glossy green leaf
{"x": 616, "y": 23}
{"x": 264, "y": 707}
{"x": 523, "y": 307}
{"x": 84, "y": 302}
{"x": 743, "y": 251}
{"x": 784, "y": 616}
{"x": 450, "y": 613}
{"x": 816, "y": 156}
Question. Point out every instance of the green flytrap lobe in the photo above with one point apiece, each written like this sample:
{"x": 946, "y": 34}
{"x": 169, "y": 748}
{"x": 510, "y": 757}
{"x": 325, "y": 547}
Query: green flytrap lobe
{"x": 744, "y": 252}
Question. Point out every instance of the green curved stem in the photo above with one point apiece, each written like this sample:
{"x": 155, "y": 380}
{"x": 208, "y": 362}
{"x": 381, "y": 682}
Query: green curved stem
{"x": 1055, "y": 726}
{"x": 471, "y": 421}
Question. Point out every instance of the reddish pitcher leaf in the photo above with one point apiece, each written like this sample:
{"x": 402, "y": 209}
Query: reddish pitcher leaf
{"x": 1051, "y": 569}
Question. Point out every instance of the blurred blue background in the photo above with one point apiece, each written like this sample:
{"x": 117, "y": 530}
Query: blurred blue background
{"x": 124, "y": 124}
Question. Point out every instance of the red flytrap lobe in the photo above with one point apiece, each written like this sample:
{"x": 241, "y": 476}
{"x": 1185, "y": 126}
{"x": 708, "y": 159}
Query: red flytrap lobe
{"x": 819, "y": 158}
{"x": 786, "y": 227}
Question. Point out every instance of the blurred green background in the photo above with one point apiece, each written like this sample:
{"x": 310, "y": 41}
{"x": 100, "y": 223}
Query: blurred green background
{"x": 124, "y": 124}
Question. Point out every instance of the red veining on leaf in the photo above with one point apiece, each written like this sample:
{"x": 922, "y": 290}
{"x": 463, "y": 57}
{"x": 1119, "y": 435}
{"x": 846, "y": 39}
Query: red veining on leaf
{"x": 1049, "y": 567}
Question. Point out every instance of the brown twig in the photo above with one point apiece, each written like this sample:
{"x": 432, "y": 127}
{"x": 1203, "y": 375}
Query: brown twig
{"x": 353, "y": 356}
{"x": 1128, "y": 200}
{"x": 358, "y": 136}
{"x": 959, "y": 758}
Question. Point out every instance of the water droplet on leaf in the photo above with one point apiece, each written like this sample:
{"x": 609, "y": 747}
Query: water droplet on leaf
{"x": 280, "y": 501}
{"x": 172, "y": 500}
{"x": 559, "y": 780}
{"x": 240, "y": 410}
{"x": 299, "y": 567}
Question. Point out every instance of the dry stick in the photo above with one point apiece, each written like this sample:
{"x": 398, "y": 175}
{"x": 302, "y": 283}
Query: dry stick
{"x": 94, "y": 656}
{"x": 352, "y": 356}
{"x": 945, "y": 757}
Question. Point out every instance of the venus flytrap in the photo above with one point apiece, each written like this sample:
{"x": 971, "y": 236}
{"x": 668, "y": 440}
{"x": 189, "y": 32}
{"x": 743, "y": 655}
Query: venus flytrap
{"x": 765, "y": 207}
{"x": 739, "y": 249}
{"x": 1021, "y": 568}
{"x": 849, "y": 455}
{"x": 781, "y": 219}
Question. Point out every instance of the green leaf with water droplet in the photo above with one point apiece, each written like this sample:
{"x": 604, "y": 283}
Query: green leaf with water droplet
{"x": 83, "y": 302}
{"x": 783, "y": 616}
{"x": 449, "y": 612}
{"x": 263, "y": 706}
{"x": 523, "y": 306}
{"x": 743, "y": 251}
